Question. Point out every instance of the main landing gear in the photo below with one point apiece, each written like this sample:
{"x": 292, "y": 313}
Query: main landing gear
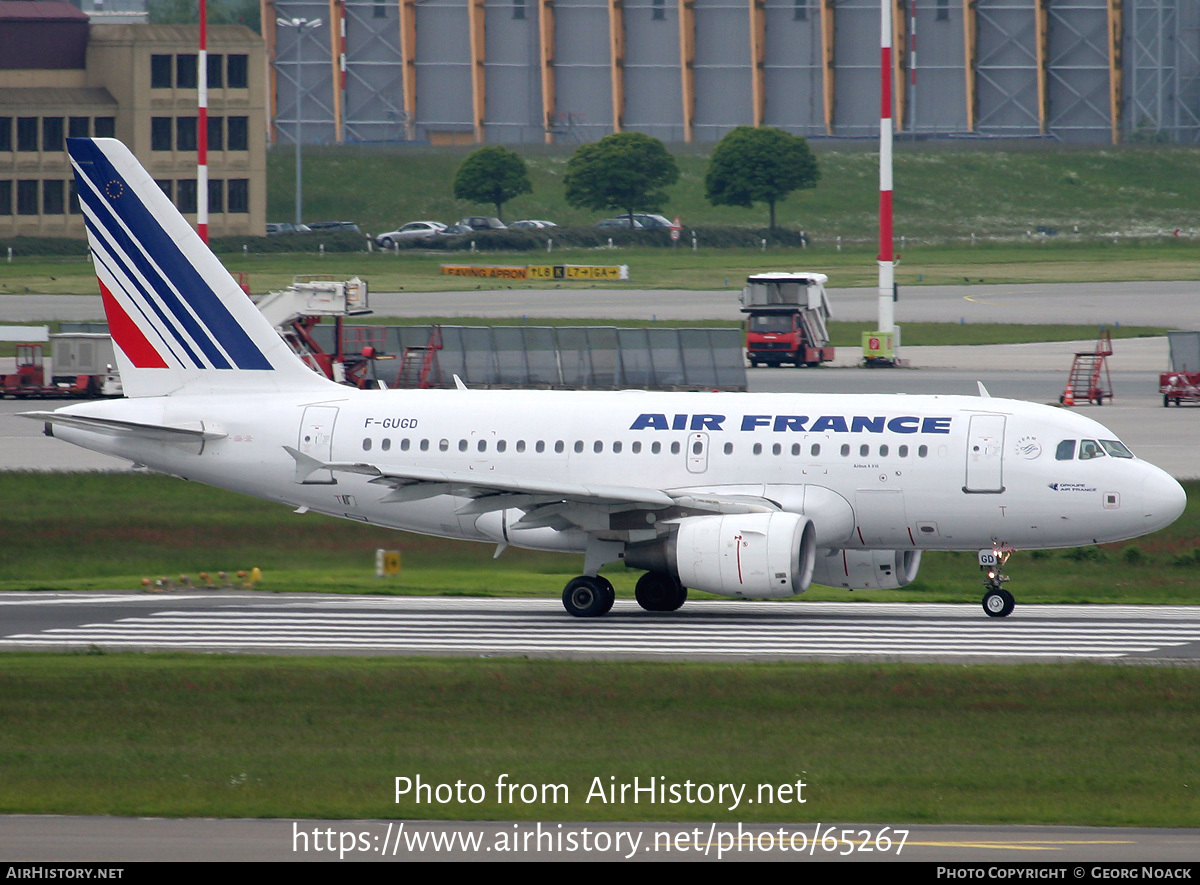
{"x": 590, "y": 596}
{"x": 658, "y": 592}
{"x": 997, "y": 602}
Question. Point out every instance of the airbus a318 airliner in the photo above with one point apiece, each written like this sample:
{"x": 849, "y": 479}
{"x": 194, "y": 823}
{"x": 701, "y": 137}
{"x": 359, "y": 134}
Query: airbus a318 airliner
{"x": 744, "y": 495}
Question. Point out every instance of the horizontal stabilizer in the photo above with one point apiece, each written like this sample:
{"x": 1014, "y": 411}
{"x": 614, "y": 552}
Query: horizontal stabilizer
{"x": 171, "y": 433}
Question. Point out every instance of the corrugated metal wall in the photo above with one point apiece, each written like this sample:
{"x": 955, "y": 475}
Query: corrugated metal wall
{"x": 690, "y": 70}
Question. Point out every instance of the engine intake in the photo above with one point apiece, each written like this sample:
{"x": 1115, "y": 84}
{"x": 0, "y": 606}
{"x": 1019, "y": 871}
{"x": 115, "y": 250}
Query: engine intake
{"x": 866, "y": 569}
{"x": 751, "y": 556}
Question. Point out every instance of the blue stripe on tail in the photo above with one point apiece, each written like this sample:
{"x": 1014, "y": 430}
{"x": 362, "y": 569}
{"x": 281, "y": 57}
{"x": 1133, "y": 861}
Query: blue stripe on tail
{"x": 121, "y": 204}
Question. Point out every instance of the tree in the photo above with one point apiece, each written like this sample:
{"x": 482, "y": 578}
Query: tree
{"x": 220, "y": 12}
{"x": 759, "y": 165}
{"x": 493, "y": 175}
{"x": 623, "y": 171}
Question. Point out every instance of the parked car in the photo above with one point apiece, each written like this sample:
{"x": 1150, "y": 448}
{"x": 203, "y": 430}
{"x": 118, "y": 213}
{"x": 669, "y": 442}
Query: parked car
{"x": 453, "y": 230}
{"x": 414, "y": 230}
{"x": 335, "y": 226}
{"x": 286, "y": 227}
{"x": 531, "y": 224}
{"x": 480, "y": 222}
{"x": 621, "y": 221}
{"x": 650, "y": 222}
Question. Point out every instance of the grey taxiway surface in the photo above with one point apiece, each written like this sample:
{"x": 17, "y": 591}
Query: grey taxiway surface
{"x": 1167, "y": 304}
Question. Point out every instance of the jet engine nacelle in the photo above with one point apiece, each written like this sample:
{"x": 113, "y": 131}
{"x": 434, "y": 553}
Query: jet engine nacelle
{"x": 866, "y": 569}
{"x": 752, "y": 555}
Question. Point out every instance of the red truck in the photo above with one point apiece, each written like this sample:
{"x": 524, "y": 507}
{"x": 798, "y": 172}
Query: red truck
{"x": 786, "y": 317}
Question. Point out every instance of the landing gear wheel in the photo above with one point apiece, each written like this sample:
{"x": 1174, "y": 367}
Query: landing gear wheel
{"x": 998, "y": 603}
{"x": 658, "y": 592}
{"x": 588, "y": 597}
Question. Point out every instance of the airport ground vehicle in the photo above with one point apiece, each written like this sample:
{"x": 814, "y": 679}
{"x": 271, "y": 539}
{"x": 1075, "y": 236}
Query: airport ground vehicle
{"x": 82, "y": 366}
{"x": 785, "y": 319}
{"x": 1181, "y": 384}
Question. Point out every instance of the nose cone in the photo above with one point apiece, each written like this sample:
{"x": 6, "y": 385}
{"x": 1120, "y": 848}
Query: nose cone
{"x": 1163, "y": 500}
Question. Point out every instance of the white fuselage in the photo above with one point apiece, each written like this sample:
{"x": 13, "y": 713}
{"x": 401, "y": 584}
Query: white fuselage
{"x": 871, "y": 471}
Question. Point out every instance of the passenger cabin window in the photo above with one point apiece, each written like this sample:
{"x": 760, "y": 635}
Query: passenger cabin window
{"x": 1066, "y": 450}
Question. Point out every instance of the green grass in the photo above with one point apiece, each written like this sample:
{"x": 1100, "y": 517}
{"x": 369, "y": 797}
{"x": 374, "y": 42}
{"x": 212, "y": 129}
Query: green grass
{"x": 112, "y": 530}
{"x": 683, "y": 269}
{"x": 159, "y": 735}
{"x": 942, "y": 192}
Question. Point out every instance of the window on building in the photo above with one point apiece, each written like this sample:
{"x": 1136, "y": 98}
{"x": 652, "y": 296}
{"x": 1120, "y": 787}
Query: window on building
{"x": 160, "y": 133}
{"x": 27, "y": 197}
{"x": 52, "y": 198}
{"x": 5, "y": 133}
{"x": 216, "y": 71}
{"x": 658, "y": 10}
{"x": 519, "y": 10}
{"x": 237, "y": 71}
{"x": 78, "y": 127}
{"x": 167, "y": 186}
{"x": 185, "y": 71}
{"x": 185, "y": 133}
{"x": 52, "y": 134}
{"x": 27, "y": 133}
{"x": 800, "y": 11}
{"x": 237, "y": 133}
{"x": 943, "y": 10}
{"x": 238, "y": 191}
{"x": 73, "y": 199}
{"x": 185, "y": 195}
{"x": 104, "y": 127}
{"x": 380, "y": 10}
{"x": 6, "y": 190}
{"x": 160, "y": 71}
{"x": 216, "y": 196}
{"x": 216, "y": 133}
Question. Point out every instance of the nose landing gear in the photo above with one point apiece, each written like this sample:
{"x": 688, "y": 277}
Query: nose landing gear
{"x": 997, "y": 602}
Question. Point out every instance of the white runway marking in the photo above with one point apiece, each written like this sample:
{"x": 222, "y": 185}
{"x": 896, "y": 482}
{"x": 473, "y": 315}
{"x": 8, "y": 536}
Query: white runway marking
{"x": 702, "y": 630}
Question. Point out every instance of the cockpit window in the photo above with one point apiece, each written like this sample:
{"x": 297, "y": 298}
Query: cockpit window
{"x": 1089, "y": 449}
{"x": 1066, "y": 450}
{"x": 1116, "y": 448}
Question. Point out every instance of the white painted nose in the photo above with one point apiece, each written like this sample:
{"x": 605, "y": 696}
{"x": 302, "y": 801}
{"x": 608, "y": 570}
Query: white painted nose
{"x": 1163, "y": 499}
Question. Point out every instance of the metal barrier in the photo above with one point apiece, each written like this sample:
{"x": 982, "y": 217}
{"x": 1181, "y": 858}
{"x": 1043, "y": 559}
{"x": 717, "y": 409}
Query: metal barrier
{"x": 570, "y": 357}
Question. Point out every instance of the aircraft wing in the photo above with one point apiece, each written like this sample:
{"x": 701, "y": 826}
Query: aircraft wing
{"x": 597, "y": 508}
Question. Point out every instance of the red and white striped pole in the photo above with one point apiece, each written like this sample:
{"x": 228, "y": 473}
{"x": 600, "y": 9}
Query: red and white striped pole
{"x": 202, "y": 128}
{"x": 887, "y": 268}
{"x": 912, "y": 65}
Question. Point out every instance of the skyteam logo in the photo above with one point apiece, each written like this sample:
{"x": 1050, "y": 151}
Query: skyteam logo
{"x": 162, "y": 312}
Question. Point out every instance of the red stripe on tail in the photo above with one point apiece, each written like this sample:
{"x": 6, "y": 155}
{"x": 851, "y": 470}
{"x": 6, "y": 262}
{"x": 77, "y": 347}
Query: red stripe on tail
{"x": 128, "y": 336}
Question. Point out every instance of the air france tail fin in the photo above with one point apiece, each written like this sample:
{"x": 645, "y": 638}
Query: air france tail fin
{"x": 179, "y": 320}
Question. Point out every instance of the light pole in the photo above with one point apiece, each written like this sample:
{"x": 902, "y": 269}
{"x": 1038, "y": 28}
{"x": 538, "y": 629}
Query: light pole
{"x": 302, "y": 26}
